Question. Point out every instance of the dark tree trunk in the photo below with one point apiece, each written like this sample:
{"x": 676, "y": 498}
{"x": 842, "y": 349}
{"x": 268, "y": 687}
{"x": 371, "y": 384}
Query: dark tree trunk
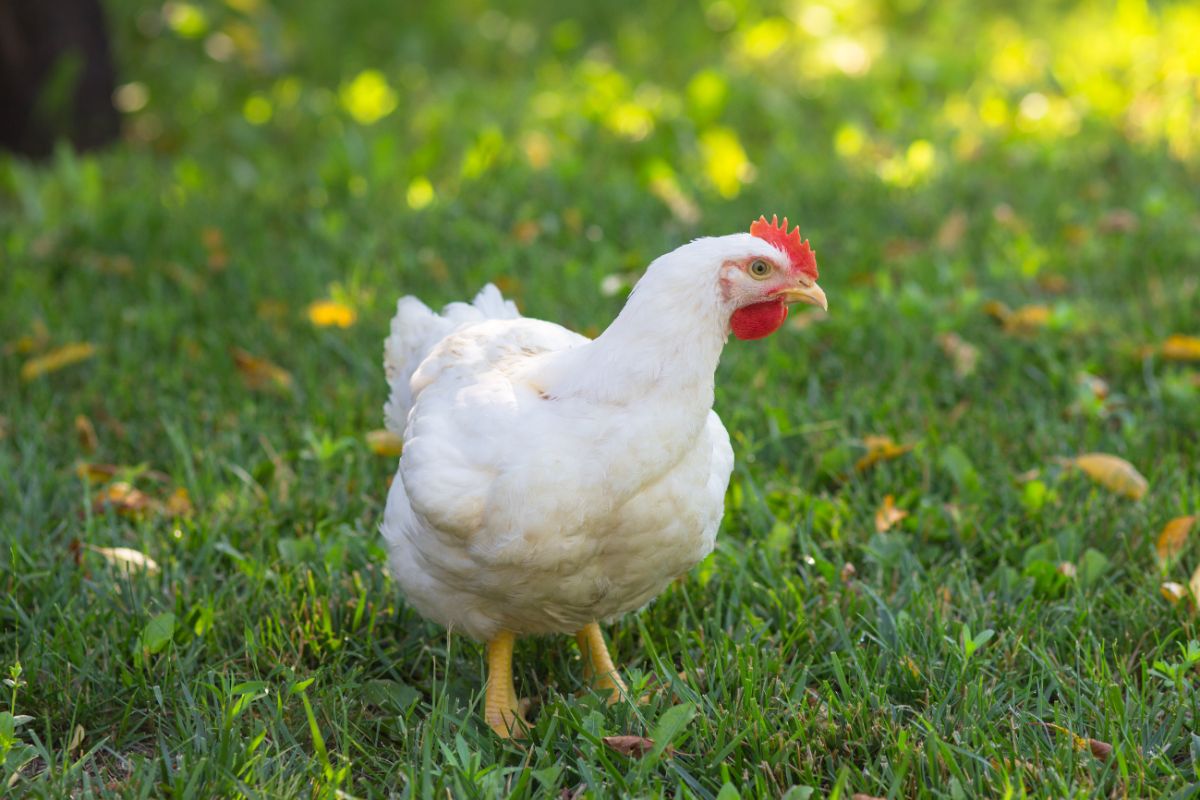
{"x": 56, "y": 76}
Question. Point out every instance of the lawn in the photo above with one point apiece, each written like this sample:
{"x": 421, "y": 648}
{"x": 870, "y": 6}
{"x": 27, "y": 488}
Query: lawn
{"x": 919, "y": 589}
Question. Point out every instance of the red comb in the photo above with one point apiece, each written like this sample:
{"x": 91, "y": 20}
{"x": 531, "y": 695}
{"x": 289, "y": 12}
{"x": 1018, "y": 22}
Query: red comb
{"x": 802, "y": 256}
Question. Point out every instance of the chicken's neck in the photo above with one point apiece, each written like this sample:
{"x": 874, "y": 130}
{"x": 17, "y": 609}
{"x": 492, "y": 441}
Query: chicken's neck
{"x": 664, "y": 345}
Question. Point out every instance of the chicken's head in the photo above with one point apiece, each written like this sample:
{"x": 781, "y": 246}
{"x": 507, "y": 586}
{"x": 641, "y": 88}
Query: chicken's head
{"x": 779, "y": 268}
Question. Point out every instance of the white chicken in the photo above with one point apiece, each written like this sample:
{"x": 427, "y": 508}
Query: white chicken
{"x": 548, "y": 481}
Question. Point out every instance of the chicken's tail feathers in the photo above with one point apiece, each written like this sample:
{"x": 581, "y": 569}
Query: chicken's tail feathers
{"x": 416, "y": 329}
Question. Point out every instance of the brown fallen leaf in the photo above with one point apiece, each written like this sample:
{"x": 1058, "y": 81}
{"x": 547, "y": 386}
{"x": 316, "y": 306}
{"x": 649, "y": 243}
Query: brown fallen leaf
{"x": 952, "y": 231}
{"x": 1119, "y": 220}
{"x": 1173, "y": 592}
{"x": 86, "y": 432}
{"x": 260, "y": 374}
{"x": 214, "y": 244}
{"x": 888, "y": 515}
{"x": 1174, "y": 535}
{"x": 126, "y": 559}
{"x": 1099, "y": 749}
{"x": 123, "y": 498}
{"x": 57, "y": 359}
{"x": 1054, "y": 284}
{"x": 1181, "y": 348}
{"x": 526, "y": 231}
{"x": 330, "y": 313}
{"x": 880, "y": 448}
{"x": 178, "y": 503}
{"x": 1113, "y": 473}
{"x": 632, "y": 746}
{"x": 961, "y": 353}
{"x": 385, "y": 443}
{"x": 1194, "y": 585}
{"x": 861, "y": 796}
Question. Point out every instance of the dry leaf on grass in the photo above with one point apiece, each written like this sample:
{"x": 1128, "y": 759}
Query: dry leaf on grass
{"x": 1181, "y": 348}
{"x": 214, "y": 245}
{"x": 385, "y": 443}
{"x": 1174, "y": 535}
{"x": 259, "y": 373}
{"x": 86, "y": 432}
{"x": 1113, "y": 473}
{"x": 1173, "y": 592}
{"x": 1194, "y": 585}
{"x": 124, "y": 498}
{"x": 57, "y": 359}
{"x": 100, "y": 473}
{"x": 1099, "y": 749}
{"x": 961, "y": 353}
{"x": 880, "y": 448}
{"x": 126, "y": 559}
{"x": 1119, "y": 220}
{"x": 178, "y": 503}
{"x": 329, "y": 313}
{"x": 888, "y": 515}
{"x": 632, "y": 746}
{"x": 952, "y": 231}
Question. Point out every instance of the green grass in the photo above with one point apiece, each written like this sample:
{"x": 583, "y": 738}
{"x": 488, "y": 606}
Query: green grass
{"x": 535, "y": 149}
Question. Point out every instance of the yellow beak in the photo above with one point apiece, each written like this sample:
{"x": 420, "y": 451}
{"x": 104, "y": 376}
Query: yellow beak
{"x": 811, "y": 294}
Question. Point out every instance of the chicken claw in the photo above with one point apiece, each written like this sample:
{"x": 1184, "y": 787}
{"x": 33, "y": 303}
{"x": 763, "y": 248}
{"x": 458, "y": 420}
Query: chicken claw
{"x": 598, "y": 667}
{"x": 502, "y": 710}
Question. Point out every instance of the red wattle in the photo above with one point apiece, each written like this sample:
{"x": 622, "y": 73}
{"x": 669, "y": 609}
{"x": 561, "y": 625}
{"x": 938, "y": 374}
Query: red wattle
{"x": 758, "y": 320}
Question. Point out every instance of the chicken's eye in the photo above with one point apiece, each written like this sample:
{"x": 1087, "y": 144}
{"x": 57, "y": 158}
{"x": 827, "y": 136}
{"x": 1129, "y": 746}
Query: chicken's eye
{"x": 759, "y": 268}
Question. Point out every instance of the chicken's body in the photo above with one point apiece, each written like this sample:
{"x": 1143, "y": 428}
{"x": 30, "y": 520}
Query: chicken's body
{"x": 549, "y": 481}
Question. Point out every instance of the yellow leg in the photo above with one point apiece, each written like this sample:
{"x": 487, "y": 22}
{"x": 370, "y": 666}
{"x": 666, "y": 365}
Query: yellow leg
{"x": 501, "y": 708}
{"x": 598, "y": 667}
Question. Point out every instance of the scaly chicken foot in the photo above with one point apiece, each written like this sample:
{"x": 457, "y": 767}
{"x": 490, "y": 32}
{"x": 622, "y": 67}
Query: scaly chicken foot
{"x": 501, "y": 708}
{"x": 598, "y": 667}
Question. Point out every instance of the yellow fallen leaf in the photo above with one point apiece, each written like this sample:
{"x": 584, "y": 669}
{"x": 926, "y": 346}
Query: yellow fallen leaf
{"x": 57, "y": 359}
{"x": 1173, "y": 537}
{"x": 126, "y": 559}
{"x": 124, "y": 498}
{"x": 329, "y": 313}
{"x": 260, "y": 374}
{"x": 1113, "y": 473}
{"x": 1181, "y": 348}
{"x": 385, "y": 443}
{"x": 961, "y": 353}
{"x": 1027, "y": 319}
{"x": 880, "y": 448}
{"x": 178, "y": 503}
{"x": 888, "y": 515}
{"x": 1173, "y": 592}
{"x": 997, "y": 311}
